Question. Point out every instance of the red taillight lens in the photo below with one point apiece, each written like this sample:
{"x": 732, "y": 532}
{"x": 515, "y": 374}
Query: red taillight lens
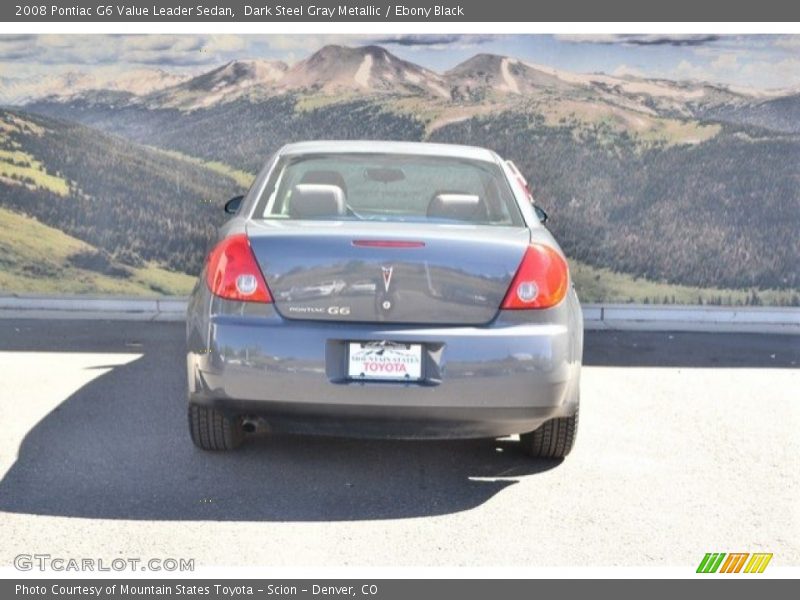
{"x": 232, "y": 272}
{"x": 541, "y": 280}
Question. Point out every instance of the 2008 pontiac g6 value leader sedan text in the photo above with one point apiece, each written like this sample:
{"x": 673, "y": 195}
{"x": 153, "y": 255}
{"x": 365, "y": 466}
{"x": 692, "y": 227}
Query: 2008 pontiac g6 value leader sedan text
{"x": 385, "y": 289}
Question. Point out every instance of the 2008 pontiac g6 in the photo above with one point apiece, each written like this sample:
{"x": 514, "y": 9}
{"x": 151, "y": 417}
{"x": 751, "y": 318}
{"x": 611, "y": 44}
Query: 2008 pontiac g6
{"x": 385, "y": 289}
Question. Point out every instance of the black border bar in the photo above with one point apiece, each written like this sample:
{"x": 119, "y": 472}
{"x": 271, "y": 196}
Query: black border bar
{"x": 338, "y": 11}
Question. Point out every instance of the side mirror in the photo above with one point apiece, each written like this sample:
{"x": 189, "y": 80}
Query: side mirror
{"x": 232, "y": 205}
{"x": 540, "y": 214}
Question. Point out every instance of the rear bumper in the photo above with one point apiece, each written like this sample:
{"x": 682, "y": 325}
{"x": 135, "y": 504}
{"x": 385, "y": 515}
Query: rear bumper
{"x": 504, "y": 378}
{"x": 390, "y": 422}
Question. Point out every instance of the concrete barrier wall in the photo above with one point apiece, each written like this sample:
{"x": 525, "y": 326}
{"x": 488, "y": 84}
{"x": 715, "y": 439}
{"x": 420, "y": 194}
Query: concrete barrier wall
{"x": 644, "y": 317}
{"x": 651, "y": 317}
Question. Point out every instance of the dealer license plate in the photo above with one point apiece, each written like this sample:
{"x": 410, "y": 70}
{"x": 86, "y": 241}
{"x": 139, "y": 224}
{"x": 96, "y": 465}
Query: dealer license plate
{"x": 385, "y": 361}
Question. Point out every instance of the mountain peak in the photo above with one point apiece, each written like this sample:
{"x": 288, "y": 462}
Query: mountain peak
{"x": 226, "y": 83}
{"x": 363, "y": 69}
{"x": 485, "y": 74}
{"x": 250, "y": 71}
{"x": 336, "y": 50}
{"x": 482, "y": 59}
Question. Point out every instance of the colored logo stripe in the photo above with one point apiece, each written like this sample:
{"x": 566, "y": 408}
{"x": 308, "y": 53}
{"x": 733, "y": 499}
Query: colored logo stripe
{"x": 758, "y": 562}
{"x": 734, "y": 562}
{"x": 710, "y": 562}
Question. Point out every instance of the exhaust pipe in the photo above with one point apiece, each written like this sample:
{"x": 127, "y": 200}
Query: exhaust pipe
{"x": 249, "y": 425}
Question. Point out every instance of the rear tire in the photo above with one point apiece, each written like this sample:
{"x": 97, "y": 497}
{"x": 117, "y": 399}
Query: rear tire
{"x": 553, "y": 439}
{"x": 214, "y": 430}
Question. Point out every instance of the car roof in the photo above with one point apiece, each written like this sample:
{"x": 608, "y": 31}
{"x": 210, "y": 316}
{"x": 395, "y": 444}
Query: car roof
{"x": 384, "y": 147}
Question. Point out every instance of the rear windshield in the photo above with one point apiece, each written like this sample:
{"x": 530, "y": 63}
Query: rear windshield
{"x": 381, "y": 187}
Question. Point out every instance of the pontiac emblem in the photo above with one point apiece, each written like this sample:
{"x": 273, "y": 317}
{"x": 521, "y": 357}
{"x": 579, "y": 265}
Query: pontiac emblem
{"x": 387, "y": 278}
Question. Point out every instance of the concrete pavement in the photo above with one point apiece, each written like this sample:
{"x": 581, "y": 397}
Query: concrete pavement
{"x": 687, "y": 444}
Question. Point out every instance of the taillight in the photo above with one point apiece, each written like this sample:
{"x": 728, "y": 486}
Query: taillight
{"x": 541, "y": 280}
{"x": 232, "y": 272}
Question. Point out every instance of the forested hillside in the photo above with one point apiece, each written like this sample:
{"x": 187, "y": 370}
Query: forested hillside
{"x": 723, "y": 212}
{"x": 677, "y": 183}
{"x": 240, "y": 133}
{"x": 777, "y": 114}
{"x": 36, "y": 258}
{"x": 720, "y": 212}
{"x": 137, "y": 204}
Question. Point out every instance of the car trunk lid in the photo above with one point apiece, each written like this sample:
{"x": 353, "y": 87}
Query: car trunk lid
{"x": 387, "y": 272}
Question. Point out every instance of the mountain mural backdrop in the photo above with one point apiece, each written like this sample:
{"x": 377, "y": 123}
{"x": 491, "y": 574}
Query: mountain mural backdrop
{"x": 659, "y": 190}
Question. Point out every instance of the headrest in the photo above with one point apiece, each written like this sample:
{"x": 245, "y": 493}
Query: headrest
{"x": 325, "y": 176}
{"x": 311, "y": 200}
{"x": 457, "y": 206}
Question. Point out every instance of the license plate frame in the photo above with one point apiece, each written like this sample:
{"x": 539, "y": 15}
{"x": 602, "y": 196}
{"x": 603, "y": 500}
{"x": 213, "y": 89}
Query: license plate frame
{"x": 384, "y": 361}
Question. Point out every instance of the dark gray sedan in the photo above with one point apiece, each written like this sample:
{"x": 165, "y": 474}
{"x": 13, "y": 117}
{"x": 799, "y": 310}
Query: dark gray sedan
{"x": 385, "y": 289}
